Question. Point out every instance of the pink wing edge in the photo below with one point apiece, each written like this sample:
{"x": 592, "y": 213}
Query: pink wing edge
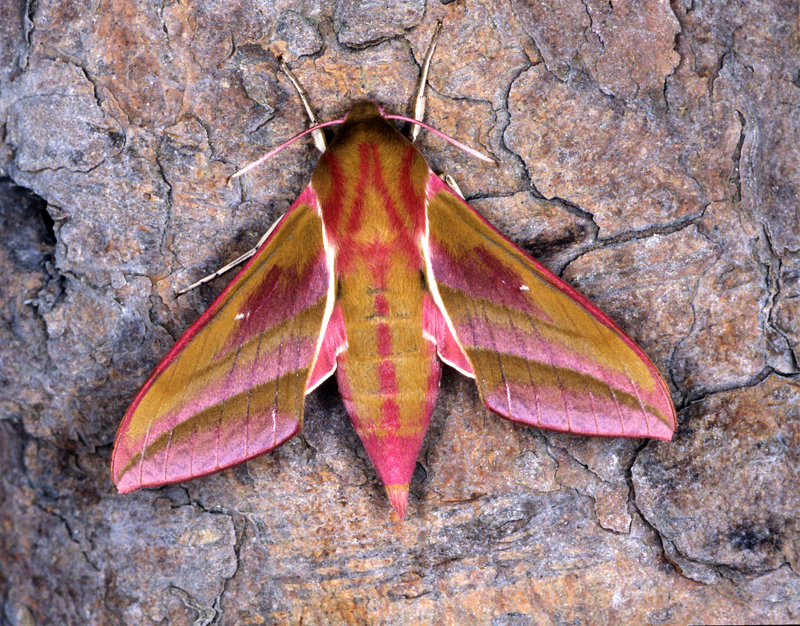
{"x": 331, "y": 342}
{"x": 439, "y": 327}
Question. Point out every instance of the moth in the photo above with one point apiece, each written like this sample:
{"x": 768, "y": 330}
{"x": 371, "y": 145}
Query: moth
{"x": 380, "y": 272}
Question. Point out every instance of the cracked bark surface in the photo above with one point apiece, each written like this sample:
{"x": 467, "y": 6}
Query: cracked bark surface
{"x": 648, "y": 155}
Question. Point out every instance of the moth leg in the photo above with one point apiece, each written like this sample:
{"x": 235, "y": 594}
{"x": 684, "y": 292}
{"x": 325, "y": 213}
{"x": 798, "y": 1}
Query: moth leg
{"x": 451, "y": 182}
{"x": 232, "y": 264}
{"x": 319, "y": 142}
{"x": 419, "y": 101}
{"x": 318, "y": 135}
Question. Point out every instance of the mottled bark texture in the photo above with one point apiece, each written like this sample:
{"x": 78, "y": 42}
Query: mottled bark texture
{"x": 648, "y": 154}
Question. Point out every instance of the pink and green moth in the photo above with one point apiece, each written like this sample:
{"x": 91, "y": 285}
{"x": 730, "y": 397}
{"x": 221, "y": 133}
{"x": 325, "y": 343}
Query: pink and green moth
{"x": 380, "y": 272}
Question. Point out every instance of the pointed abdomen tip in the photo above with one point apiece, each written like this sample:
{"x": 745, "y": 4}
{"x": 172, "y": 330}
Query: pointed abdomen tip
{"x": 398, "y": 496}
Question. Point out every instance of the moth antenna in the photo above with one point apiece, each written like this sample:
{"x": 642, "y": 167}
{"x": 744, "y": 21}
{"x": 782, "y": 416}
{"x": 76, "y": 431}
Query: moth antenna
{"x": 461, "y": 146}
{"x": 319, "y": 137}
{"x": 420, "y": 100}
{"x": 286, "y": 143}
